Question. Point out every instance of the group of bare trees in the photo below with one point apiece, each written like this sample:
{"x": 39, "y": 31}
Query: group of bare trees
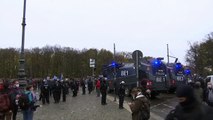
{"x": 54, "y": 60}
{"x": 200, "y": 56}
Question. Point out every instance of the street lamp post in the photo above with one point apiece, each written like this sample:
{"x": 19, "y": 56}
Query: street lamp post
{"x": 21, "y": 72}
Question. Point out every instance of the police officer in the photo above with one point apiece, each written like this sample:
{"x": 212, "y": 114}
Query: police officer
{"x": 45, "y": 92}
{"x": 74, "y": 88}
{"x": 57, "y": 91}
{"x": 64, "y": 90}
{"x": 90, "y": 86}
{"x": 83, "y": 86}
{"x": 103, "y": 90}
{"x": 121, "y": 94}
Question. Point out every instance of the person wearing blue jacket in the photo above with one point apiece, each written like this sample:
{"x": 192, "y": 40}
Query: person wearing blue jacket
{"x": 28, "y": 113}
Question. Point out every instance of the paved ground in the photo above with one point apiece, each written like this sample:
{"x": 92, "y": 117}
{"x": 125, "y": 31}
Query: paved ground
{"x": 88, "y": 107}
{"x": 82, "y": 107}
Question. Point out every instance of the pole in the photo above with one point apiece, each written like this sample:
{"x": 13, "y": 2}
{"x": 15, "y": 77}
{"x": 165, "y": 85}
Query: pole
{"x": 93, "y": 72}
{"x": 114, "y": 83}
{"x": 167, "y": 53}
{"x": 21, "y": 73}
{"x": 137, "y": 65}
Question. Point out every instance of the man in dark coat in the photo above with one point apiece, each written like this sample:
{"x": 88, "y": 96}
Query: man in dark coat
{"x": 83, "y": 86}
{"x": 90, "y": 86}
{"x": 65, "y": 87}
{"x": 189, "y": 108}
{"x": 57, "y": 92}
{"x": 74, "y": 87}
{"x": 121, "y": 94}
{"x": 103, "y": 90}
{"x": 45, "y": 92}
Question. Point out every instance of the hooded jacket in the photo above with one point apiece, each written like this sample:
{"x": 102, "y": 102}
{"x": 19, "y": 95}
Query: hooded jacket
{"x": 190, "y": 109}
{"x": 136, "y": 107}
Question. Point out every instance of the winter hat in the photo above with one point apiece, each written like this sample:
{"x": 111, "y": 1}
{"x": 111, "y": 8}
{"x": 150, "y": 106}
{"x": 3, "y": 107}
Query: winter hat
{"x": 185, "y": 91}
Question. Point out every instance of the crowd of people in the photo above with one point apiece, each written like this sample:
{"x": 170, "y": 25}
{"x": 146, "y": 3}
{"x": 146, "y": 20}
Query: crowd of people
{"x": 195, "y": 101}
{"x": 58, "y": 89}
{"x": 14, "y": 98}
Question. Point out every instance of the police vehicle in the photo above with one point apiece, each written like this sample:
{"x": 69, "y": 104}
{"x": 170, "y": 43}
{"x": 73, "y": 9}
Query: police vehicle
{"x": 115, "y": 73}
{"x": 151, "y": 75}
{"x": 175, "y": 76}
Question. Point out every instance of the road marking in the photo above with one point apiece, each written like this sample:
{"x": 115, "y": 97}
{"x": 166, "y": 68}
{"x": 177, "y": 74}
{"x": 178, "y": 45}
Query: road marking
{"x": 153, "y": 116}
{"x": 169, "y": 106}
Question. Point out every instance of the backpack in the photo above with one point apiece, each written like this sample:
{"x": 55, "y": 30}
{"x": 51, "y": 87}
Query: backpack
{"x": 24, "y": 102}
{"x": 4, "y": 103}
{"x": 144, "y": 112}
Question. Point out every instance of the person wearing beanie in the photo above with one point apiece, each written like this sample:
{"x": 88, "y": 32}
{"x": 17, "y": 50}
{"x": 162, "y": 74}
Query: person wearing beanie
{"x": 189, "y": 108}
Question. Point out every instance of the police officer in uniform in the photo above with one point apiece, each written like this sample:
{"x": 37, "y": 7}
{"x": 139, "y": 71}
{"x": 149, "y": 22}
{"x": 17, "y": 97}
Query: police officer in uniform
{"x": 121, "y": 94}
{"x": 45, "y": 92}
{"x": 57, "y": 91}
{"x": 65, "y": 87}
{"x": 103, "y": 90}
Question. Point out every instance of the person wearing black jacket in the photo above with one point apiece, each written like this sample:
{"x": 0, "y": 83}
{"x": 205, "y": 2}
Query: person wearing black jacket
{"x": 83, "y": 86}
{"x": 121, "y": 94}
{"x": 45, "y": 92}
{"x": 103, "y": 90}
{"x": 65, "y": 87}
{"x": 189, "y": 108}
{"x": 57, "y": 92}
{"x": 15, "y": 93}
{"x": 90, "y": 86}
{"x": 74, "y": 87}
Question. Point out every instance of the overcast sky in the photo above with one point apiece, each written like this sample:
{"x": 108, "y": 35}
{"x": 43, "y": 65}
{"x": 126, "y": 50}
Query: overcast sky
{"x": 146, "y": 25}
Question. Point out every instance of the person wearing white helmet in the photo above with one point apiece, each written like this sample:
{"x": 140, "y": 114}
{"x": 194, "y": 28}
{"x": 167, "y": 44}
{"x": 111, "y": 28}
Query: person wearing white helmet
{"x": 121, "y": 94}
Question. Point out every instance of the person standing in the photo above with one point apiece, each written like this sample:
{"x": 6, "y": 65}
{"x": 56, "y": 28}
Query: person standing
{"x": 14, "y": 94}
{"x": 57, "y": 92}
{"x": 189, "y": 108}
{"x": 5, "y": 108}
{"x": 90, "y": 85}
{"x": 74, "y": 88}
{"x": 140, "y": 107}
{"x": 208, "y": 97}
{"x": 198, "y": 90}
{"x": 103, "y": 90}
{"x": 64, "y": 90}
{"x": 98, "y": 86}
{"x": 45, "y": 92}
{"x": 28, "y": 113}
{"x": 121, "y": 94}
{"x": 83, "y": 86}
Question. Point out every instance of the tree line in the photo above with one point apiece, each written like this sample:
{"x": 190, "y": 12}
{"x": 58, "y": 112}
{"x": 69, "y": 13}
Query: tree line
{"x": 199, "y": 56}
{"x": 55, "y": 60}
